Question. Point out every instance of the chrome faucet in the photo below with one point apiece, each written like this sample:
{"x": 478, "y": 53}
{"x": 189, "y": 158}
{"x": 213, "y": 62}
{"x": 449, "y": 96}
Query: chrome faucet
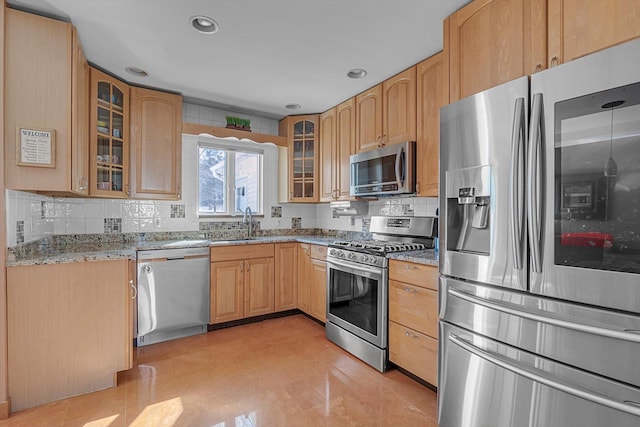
{"x": 247, "y": 212}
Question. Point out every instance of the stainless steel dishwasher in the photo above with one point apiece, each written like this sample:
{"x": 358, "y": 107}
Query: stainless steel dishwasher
{"x": 173, "y": 294}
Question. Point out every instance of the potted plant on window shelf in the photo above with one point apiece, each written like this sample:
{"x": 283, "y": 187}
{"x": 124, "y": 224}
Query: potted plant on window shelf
{"x": 238, "y": 123}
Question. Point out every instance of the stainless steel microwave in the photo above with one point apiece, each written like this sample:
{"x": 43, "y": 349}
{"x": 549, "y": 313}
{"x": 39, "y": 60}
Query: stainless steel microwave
{"x": 385, "y": 171}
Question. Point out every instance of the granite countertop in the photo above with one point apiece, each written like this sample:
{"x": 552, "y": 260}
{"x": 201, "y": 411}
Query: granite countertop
{"x": 113, "y": 251}
{"x": 424, "y": 256}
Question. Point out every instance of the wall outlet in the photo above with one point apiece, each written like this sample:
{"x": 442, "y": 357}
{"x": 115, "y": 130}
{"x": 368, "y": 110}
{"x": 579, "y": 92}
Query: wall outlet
{"x": 156, "y": 221}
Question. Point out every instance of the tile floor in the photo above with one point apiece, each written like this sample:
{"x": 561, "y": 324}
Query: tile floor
{"x": 279, "y": 372}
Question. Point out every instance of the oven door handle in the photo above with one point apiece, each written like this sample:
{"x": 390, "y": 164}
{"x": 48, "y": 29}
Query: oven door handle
{"x": 353, "y": 268}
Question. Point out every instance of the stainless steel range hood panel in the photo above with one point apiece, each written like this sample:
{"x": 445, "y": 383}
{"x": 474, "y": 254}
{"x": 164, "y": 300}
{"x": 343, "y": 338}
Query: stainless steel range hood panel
{"x": 350, "y": 208}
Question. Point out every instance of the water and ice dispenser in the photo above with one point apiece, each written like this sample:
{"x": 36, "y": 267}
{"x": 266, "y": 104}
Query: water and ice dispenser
{"x": 468, "y": 210}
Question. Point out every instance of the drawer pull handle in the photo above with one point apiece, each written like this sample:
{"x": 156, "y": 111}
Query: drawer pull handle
{"x": 411, "y": 291}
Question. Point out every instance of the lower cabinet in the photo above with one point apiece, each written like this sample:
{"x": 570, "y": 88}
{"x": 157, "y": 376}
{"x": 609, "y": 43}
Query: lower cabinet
{"x": 312, "y": 280}
{"x": 413, "y": 318}
{"x": 286, "y": 289}
{"x": 242, "y": 281}
{"x": 59, "y": 318}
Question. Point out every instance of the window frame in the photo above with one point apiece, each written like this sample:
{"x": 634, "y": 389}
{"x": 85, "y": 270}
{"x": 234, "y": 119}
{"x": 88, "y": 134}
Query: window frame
{"x": 231, "y": 148}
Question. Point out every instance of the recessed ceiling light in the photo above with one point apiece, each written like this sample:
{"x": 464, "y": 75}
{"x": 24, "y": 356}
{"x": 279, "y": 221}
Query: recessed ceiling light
{"x": 357, "y": 73}
{"x": 204, "y": 24}
{"x": 139, "y": 72}
{"x": 293, "y": 106}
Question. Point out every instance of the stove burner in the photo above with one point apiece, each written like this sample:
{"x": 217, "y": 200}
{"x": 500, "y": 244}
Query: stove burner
{"x": 378, "y": 246}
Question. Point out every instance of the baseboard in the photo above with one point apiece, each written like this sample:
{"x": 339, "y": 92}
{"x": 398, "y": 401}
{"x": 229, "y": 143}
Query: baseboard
{"x": 5, "y": 409}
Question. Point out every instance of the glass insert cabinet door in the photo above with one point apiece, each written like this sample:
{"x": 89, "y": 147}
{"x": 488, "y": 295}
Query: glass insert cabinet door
{"x": 303, "y": 159}
{"x": 597, "y": 181}
{"x": 109, "y": 136}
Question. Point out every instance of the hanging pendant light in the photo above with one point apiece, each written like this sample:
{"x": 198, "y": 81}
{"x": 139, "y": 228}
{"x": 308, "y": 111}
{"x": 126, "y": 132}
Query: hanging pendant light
{"x": 611, "y": 167}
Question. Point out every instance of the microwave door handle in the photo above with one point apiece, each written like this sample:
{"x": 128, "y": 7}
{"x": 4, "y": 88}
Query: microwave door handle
{"x": 399, "y": 168}
{"x": 516, "y": 205}
{"x": 534, "y": 180}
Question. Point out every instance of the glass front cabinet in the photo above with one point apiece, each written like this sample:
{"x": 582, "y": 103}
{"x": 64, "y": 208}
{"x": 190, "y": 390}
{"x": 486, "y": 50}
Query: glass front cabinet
{"x": 303, "y": 138}
{"x": 109, "y": 141}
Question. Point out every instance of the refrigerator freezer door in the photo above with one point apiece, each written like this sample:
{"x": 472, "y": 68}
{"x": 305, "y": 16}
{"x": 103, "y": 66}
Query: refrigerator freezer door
{"x": 589, "y": 214}
{"x": 595, "y": 340}
{"x": 487, "y": 383}
{"x": 482, "y": 152}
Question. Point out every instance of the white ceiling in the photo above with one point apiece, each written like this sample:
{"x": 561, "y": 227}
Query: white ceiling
{"x": 266, "y": 54}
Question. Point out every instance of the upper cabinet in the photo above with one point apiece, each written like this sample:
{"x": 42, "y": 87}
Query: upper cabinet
{"x": 337, "y": 143}
{"x": 302, "y": 136}
{"x": 580, "y": 27}
{"x": 346, "y": 145}
{"x": 45, "y": 89}
{"x": 432, "y": 95}
{"x": 386, "y": 113}
{"x": 156, "y": 144}
{"x": 109, "y": 136}
{"x": 328, "y": 155}
{"x": 489, "y": 42}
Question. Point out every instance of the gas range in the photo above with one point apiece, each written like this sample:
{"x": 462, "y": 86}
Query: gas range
{"x": 370, "y": 252}
{"x": 390, "y": 234}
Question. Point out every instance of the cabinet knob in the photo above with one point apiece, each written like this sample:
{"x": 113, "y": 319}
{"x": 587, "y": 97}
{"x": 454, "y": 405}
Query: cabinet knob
{"x": 82, "y": 183}
{"x": 554, "y": 61}
{"x": 538, "y": 68}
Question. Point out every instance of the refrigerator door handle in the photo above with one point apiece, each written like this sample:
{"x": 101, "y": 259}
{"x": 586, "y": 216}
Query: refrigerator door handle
{"x": 542, "y": 377}
{"x": 534, "y": 183}
{"x": 516, "y": 205}
{"x": 546, "y": 318}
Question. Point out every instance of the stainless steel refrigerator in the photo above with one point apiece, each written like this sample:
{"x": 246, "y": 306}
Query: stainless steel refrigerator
{"x": 540, "y": 249}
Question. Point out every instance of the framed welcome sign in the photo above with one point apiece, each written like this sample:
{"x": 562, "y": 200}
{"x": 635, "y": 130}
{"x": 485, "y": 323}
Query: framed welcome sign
{"x": 36, "y": 147}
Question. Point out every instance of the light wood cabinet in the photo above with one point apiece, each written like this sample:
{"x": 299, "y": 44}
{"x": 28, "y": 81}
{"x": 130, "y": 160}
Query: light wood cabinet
{"x": 312, "y": 280}
{"x": 346, "y": 146}
{"x": 156, "y": 144}
{"x": 50, "y": 97}
{"x": 328, "y": 145}
{"x": 337, "y": 143}
{"x": 304, "y": 274}
{"x": 369, "y": 119}
{"x": 432, "y": 95}
{"x": 386, "y": 113}
{"x": 399, "y": 108}
{"x": 302, "y": 134}
{"x": 580, "y": 27}
{"x": 242, "y": 281}
{"x": 286, "y": 289}
{"x": 489, "y": 42}
{"x": 109, "y": 137}
{"x": 58, "y": 321}
{"x": 413, "y": 318}
{"x": 259, "y": 286}
{"x": 318, "y": 290}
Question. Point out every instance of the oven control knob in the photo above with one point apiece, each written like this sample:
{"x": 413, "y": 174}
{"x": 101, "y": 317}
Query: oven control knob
{"x": 351, "y": 255}
{"x": 332, "y": 252}
{"x": 340, "y": 254}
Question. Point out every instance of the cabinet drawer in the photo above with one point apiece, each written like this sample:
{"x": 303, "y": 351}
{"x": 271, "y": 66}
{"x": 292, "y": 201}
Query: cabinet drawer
{"x": 247, "y": 251}
{"x": 425, "y": 276}
{"x": 413, "y": 351}
{"x": 319, "y": 252}
{"x": 414, "y": 307}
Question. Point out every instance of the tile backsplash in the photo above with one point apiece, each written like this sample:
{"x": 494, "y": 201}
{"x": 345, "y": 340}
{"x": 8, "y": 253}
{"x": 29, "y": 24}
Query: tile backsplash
{"x": 32, "y": 216}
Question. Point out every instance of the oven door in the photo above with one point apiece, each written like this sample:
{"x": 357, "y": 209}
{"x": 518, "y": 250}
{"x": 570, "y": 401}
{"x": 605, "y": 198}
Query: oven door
{"x": 357, "y": 300}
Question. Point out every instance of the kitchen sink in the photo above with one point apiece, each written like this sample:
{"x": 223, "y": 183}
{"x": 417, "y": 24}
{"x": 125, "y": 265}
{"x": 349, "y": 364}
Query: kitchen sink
{"x": 185, "y": 243}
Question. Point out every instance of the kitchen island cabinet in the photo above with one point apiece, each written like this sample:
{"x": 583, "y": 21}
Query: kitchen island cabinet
{"x": 413, "y": 318}
{"x": 69, "y": 328}
{"x": 242, "y": 282}
{"x": 46, "y": 83}
{"x": 156, "y": 144}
